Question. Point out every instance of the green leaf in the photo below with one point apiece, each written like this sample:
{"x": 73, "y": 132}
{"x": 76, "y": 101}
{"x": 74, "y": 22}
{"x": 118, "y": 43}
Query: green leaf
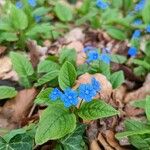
{"x": 117, "y": 79}
{"x": 55, "y": 122}
{"x": 8, "y": 36}
{"x": 40, "y": 11}
{"x": 46, "y": 66}
{"x": 116, "y": 33}
{"x": 85, "y": 7}
{"x": 118, "y": 58}
{"x": 7, "y": 92}
{"x": 141, "y": 63}
{"x": 39, "y": 30}
{"x": 137, "y": 140}
{"x": 85, "y": 18}
{"x": 131, "y": 133}
{"x": 127, "y": 4}
{"x": 68, "y": 55}
{"x": 18, "y": 18}
{"x": 43, "y": 96}
{"x": 140, "y": 71}
{"x": 96, "y": 109}
{"x": 117, "y": 3}
{"x": 74, "y": 141}
{"x": 47, "y": 77}
{"x": 139, "y": 103}
{"x": 147, "y": 107}
{"x": 21, "y": 64}
{"x": 63, "y": 12}
{"x": 67, "y": 75}
{"x": 18, "y": 142}
{"x": 13, "y": 133}
{"x": 146, "y": 12}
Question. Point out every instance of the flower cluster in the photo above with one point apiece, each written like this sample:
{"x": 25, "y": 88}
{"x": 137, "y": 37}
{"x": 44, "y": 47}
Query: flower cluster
{"x": 70, "y": 97}
{"x": 93, "y": 54}
{"x": 140, "y": 5}
{"x": 132, "y": 52}
{"x": 102, "y": 4}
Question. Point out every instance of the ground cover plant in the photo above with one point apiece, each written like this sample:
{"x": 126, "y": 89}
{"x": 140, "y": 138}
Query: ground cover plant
{"x": 74, "y": 75}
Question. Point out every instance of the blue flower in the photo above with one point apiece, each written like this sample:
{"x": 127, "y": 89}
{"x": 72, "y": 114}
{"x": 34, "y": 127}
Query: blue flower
{"x": 101, "y": 4}
{"x": 140, "y": 5}
{"x": 95, "y": 84}
{"x": 132, "y": 51}
{"x": 86, "y": 92}
{"x": 137, "y": 22}
{"x": 32, "y": 3}
{"x": 88, "y": 48}
{"x": 136, "y": 34}
{"x": 148, "y": 28}
{"x": 19, "y": 4}
{"x": 92, "y": 55}
{"x": 70, "y": 97}
{"x": 105, "y": 58}
{"x": 38, "y": 18}
{"x": 55, "y": 94}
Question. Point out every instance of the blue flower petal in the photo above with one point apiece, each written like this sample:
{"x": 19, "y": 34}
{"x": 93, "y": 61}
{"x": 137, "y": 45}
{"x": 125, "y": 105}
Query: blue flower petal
{"x": 132, "y": 51}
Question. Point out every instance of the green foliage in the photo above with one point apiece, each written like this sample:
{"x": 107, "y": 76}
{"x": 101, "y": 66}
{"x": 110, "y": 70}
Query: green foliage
{"x": 67, "y": 75}
{"x": 46, "y": 66}
{"x": 147, "y": 107}
{"x": 117, "y": 79}
{"x": 118, "y": 58}
{"x": 19, "y": 25}
{"x": 63, "y": 12}
{"x": 18, "y": 18}
{"x": 43, "y": 96}
{"x": 7, "y": 92}
{"x": 96, "y": 109}
{"x": 116, "y": 33}
{"x": 73, "y": 141}
{"x": 19, "y": 142}
{"x": 145, "y": 12}
{"x": 55, "y": 123}
{"x": 47, "y": 77}
{"x": 68, "y": 55}
{"x": 23, "y": 67}
{"x": 138, "y": 132}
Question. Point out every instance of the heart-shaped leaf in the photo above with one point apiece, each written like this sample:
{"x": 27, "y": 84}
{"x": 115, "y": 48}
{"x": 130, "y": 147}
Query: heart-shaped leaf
{"x": 18, "y": 142}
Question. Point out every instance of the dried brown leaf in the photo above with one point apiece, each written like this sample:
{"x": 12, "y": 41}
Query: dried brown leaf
{"x": 5, "y": 65}
{"x": 139, "y": 93}
{"x": 18, "y": 108}
{"x": 94, "y": 145}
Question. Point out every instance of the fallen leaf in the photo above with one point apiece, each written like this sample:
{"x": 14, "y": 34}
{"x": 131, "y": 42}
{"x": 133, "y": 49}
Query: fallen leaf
{"x": 5, "y": 65}
{"x": 110, "y": 137}
{"x": 103, "y": 142}
{"x": 75, "y": 34}
{"x": 94, "y": 145}
{"x": 12, "y": 75}
{"x": 140, "y": 93}
{"x": 18, "y": 108}
{"x": 78, "y": 46}
{"x": 2, "y": 49}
